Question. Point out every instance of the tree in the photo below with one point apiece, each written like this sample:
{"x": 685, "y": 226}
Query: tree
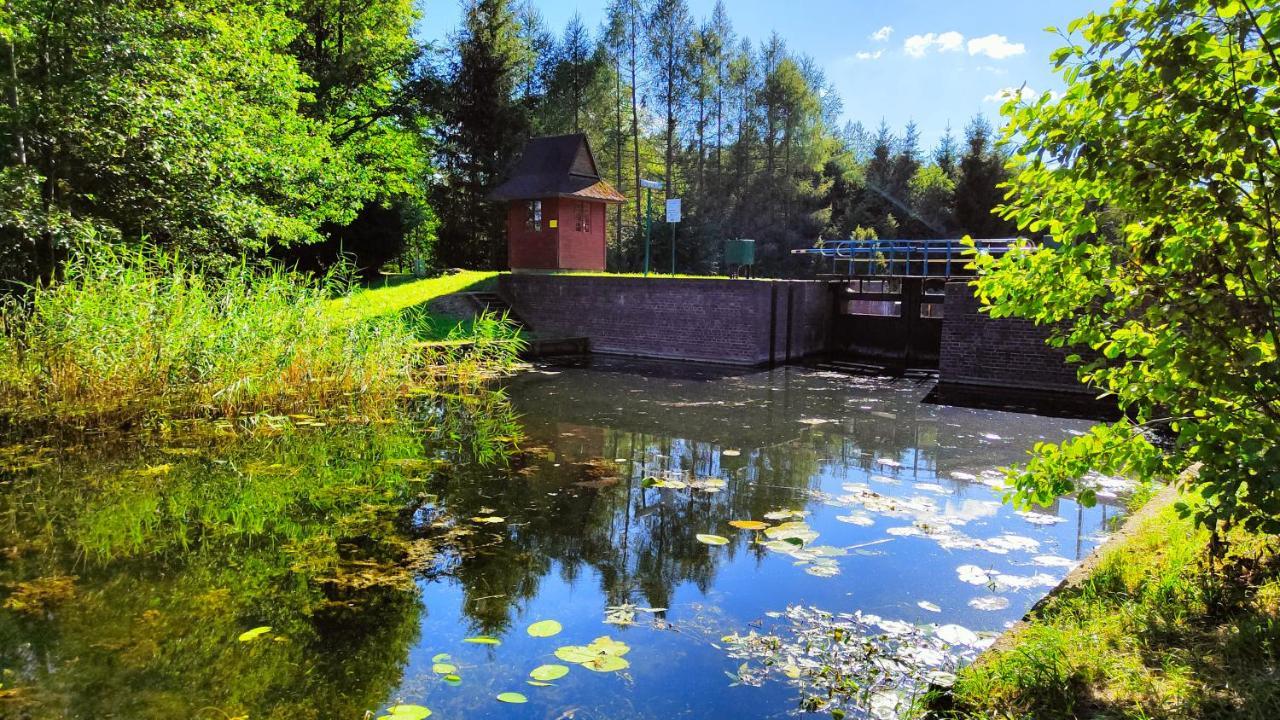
{"x": 194, "y": 129}
{"x": 573, "y": 90}
{"x": 981, "y": 172}
{"x": 1168, "y": 123}
{"x": 483, "y": 131}
{"x": 946, "y": 155}
{"x": 669, "y": 29}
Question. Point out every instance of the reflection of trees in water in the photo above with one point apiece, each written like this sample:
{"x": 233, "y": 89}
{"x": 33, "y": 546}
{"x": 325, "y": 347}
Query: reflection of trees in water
{"x": 597, "y": 514}
{"x": 135, "y": 567}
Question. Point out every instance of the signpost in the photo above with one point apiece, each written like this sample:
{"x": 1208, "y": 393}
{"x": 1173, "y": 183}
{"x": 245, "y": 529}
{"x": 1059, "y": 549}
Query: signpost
{"x": 673, "y": 217}
{"x": 649, "y": 186}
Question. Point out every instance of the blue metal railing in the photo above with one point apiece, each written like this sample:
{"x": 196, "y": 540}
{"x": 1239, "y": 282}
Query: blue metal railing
{"x": 923, "y": 258}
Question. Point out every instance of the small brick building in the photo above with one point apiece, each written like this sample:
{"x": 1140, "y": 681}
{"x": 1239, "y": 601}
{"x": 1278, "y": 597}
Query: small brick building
{"x": 556, "y": 206}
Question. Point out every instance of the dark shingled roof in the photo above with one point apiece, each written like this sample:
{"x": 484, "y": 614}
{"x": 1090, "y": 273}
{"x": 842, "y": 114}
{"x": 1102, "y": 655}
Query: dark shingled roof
{"x": 557, "y": 166}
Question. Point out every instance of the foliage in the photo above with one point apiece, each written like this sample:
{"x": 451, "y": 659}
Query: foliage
{"x": 215, "y": 127}
{"x": 126, "y": 333}
{"x": 1149, "y": 634}
{"x": 1168, "y": 133}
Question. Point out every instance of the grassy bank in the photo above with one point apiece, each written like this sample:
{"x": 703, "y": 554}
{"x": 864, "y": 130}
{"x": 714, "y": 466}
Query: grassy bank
{"x": 1151, "y": 633}
{"x": 409, "y": 297}
{"x": 128, "y": 334}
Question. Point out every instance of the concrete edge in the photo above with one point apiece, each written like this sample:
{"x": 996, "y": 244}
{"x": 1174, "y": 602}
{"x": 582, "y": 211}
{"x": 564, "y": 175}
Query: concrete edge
{"x": 962, "y": 383}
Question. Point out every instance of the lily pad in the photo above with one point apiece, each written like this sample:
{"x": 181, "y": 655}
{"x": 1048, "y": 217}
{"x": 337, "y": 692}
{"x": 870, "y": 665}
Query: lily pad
{"x": 606, "y": 663}
{"x": 606, "y": 645}
{"x": 488, "y": 519}
{"x": 254, "y": 634}
{"x": 483, "y": 640}
{"x": 712, "y": 539}
{"x": 973, "y": 575}
{"x": 931, "y": 607}
{"x": 989, "y": 603}
{"x": 957, "y": 635}
{"x": 730, "y": 453}
{"x": 575, "y": 654}
{"x": 407, "y": 712}
{"x": 514, "y": 698}
{"x": 537, "y": 683}
{"x": 546, "y": 673}
{"x": 454, "y": 680}
{"x": 444, "y": 668}
{"x": 749, "y": 524}
{"x": 545, "y": 628}
{"x": 440, "y": 657}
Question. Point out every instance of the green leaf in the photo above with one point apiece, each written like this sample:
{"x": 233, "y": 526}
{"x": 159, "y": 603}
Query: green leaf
{"x": 547, "y": 673}
{"x": 512, "y": 697}
{"x": 544, "y": 628}
{"x": 254, "y": 634}
{"x": 407, "y": 712}
{"x": 712, "y": 539}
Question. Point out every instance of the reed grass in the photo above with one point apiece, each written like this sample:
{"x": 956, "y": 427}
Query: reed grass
{"x": 127, "y": 333}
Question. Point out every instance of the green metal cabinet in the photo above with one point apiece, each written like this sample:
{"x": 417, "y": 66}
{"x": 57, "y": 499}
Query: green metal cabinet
{"x": 739, "y": 252}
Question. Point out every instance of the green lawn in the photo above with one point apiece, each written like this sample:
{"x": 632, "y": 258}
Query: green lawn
{"x": 1150, "y": 633}
{"x": 400, "y": 294}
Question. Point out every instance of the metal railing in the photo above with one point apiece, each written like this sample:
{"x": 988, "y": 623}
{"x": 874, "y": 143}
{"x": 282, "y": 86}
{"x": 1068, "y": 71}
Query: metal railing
{"x": 912, "y": 258}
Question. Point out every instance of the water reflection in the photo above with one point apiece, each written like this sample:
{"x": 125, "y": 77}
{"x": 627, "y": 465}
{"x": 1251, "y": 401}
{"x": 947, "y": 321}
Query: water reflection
{"x": 131, "y": 566}
{"x": 370, "y": 548}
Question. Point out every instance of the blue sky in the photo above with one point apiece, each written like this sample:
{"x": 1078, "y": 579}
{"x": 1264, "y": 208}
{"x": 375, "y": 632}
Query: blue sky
{"x": 940, "y": 61}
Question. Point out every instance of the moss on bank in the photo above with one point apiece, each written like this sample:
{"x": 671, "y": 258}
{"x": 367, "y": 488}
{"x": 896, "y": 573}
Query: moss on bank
{"x": 1150, "y": 633}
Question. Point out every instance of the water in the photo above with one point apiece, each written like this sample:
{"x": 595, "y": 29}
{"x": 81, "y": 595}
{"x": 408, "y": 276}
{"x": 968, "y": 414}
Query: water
{"x": 373, "y": 548}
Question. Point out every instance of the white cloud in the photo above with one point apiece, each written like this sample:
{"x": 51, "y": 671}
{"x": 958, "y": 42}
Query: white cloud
{"x": 1021, "y": 94}
{"x": 996, "y": 47}
{"x": 869, "y": 55}
{"x": 882, "y": 34}
{"x": 920, "y": 45}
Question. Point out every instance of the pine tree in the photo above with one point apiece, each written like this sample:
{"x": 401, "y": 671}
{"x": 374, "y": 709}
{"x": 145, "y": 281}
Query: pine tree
{"x": 669, "y": 29}
{"x": 484, "y": 129}
{"x": 981, "y": 171}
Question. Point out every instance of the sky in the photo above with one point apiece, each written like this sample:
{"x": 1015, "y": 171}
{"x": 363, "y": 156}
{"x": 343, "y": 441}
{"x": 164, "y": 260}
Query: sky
{"x": 930, "y": 61}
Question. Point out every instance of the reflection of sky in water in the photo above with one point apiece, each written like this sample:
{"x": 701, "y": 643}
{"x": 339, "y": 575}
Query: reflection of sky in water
{"x": 582, "y": 531}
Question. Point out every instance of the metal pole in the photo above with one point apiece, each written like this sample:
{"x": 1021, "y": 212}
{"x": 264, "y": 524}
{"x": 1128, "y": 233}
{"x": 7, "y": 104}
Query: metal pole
{"x": 673, "y": 248}
{"x": 648, "y": 223}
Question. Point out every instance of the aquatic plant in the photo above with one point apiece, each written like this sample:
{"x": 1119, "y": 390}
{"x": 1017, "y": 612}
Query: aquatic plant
{"x": 125, "y": 333}
{"x": 854, "y": 664}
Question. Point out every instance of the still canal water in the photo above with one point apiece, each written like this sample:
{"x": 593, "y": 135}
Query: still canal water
{"x": 325, "y": 567}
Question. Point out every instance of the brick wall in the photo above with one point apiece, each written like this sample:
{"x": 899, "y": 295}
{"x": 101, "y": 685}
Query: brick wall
{"x": 741, "y": 322}
{"x": 1000, "y": 352}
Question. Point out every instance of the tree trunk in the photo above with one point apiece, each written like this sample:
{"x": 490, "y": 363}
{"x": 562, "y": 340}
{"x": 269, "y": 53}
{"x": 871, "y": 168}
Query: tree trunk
{"x": 617, "y": 138}
{"x": 635, "y": 118}
{"x": 19, "y": 140}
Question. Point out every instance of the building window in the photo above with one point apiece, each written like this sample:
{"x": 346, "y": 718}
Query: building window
{"x": 584, "y": 217}
{"x": 534, "y": 219}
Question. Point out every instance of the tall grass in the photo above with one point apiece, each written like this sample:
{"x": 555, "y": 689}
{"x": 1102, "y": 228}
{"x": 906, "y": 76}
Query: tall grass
{"x": 126, "y": 333}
